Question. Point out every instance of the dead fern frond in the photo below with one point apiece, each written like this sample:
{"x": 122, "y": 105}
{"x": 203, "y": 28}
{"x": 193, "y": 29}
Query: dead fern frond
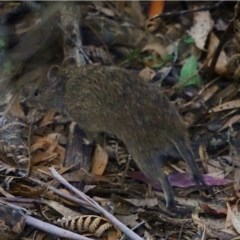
{"x": 89, "y": 224}
{"x": 13, "y": 145}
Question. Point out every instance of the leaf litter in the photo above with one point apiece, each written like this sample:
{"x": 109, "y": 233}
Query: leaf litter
{"x": 174, "y": 47}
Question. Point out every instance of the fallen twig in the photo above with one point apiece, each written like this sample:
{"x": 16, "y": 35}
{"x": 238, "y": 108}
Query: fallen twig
{"x": 54, "y": 230}
{"x": 110, "y": 217}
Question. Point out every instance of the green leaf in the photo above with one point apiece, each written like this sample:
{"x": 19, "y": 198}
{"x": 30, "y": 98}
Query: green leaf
{"x": 189, "y": 73}
{"x": 188, "y": 39}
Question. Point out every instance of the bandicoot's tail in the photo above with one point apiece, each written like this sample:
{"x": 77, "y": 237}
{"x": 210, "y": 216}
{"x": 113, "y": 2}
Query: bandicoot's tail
{"x": 186, "y": 153}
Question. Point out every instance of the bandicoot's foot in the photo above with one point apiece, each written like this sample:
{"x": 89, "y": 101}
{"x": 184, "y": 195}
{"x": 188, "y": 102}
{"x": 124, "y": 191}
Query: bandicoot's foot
{"x": 178, "y": 211}
{"x": 171, "y": 205}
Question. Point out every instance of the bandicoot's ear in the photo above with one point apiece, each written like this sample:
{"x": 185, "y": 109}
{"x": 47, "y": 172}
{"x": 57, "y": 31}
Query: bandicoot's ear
{"x": 53, "y": 75}
{"x": 69, "y": 61}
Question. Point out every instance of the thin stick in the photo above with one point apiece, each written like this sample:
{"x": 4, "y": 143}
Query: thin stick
{"x": 54, "y": 230}
{"x": 110, "y": 217}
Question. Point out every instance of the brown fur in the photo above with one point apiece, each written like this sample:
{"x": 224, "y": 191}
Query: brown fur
{"x": 116, "y": 101}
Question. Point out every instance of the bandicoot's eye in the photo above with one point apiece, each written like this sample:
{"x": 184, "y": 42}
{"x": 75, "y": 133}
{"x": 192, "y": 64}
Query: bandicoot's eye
{"x": 36, "y": 93}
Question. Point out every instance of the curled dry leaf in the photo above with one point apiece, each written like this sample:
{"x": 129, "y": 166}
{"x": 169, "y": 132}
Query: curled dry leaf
{"x": 44, "y": 157}
{"x": 47, "y": 149}
{"x": 221, "y": 65}
{"x": 203, "y": 24}
{"x": 22, "y": 189}
{"x": 157, "y": 48}
{"x": 99, "y": 161}
{"x": 147, "y": 74}
{"x": 48, "y": 118}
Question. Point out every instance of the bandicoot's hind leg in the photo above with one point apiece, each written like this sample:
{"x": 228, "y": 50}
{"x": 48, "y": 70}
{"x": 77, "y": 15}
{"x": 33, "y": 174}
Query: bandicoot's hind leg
{"x": 168, "y": 192}
{"x": 155, "y": 169}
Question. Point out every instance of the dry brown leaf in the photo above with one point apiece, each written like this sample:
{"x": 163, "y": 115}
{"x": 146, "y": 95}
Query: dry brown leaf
{"x": 61, "y": 209}
{"x": 226, "y": 106}
{"x": 44, "y": 142}
{"x": 24, "y": 190}
{"x": 236, "y": 219}
{"x": 236, "y": 177}
{"x": 156, "y": 8}
{"x": 215, "y": 168}
{"x": 130, "y": 220}
{"x": 112, "y": 234}
{"x": 209, "y": 93}
{"x": 43, "y": 157}
{"x": 198, "y": 221}
{"x": 202, "y": 152}
{"x": 208, "y": 226}
{"x": 39, "y": 236}
{"x": 222, "y": 61}
{"x": 15, "y": 109}
{"x": 230, "y": 122}
{"x": 232, "y": 220}
{"x": 147, "y": 74}
{"x": 202, "y": 26}
{"x": 47, "y": 149}
{"x": 214, "y": 209}
{"x": 44, "y": 171}
{"x": 40, "y": 144}
{"x": 148, "y": 236}
{"x": 99, "y": 161}
{"x": 228, "y": 222}
{"x": 98, "y": 178}
{"x": 67, "y": 202}
{"x": 48, "y": 118}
